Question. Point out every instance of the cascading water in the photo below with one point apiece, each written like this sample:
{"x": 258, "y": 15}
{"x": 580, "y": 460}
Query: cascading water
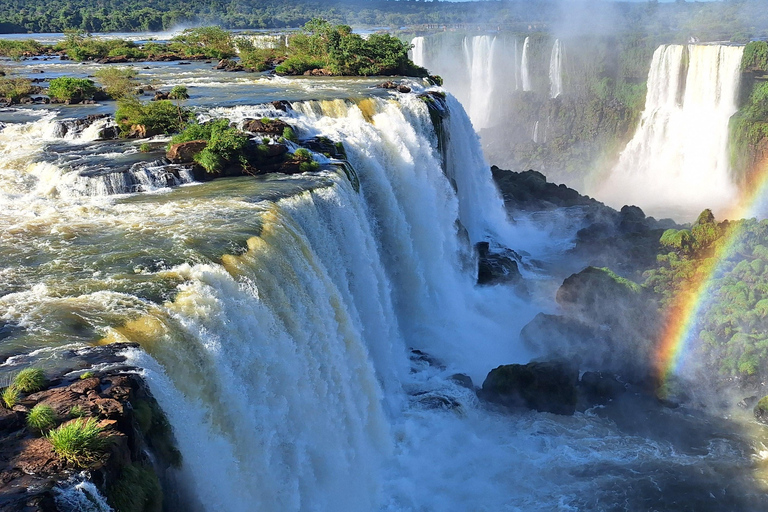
{"x": 517, "y": 67}
{"x": 679, "y": 153}
{"x": 556, "y": 70}
{"x": 525, "y": 72}
{"x": 535, "y": 135}
{"x": 417, "y": 52}
{"x": 479, "y": 53}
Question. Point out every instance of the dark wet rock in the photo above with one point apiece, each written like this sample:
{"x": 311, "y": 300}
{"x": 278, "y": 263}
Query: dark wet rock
{"x": 119, "y": 400}
{"x": 496, "y": 266}
{"x": 463, "y": 380}
{"x": 748, "y": 402}
{"x": 429, "y": 400}
{"x": 387, "y": 85}
{"x": 185, "y": 152}
{"x": 318, "y": 72}
{"x": 159, "y": 96}
{"x": 530, "y": 190}
{"x": 325, "y": 146}
{"x": 282, "y": 105}
{"x": 228, "y": 65}
{"x": 598, "y": 388}
{"x": 422, "y": 357}
{"x": 270, "y": 127}
{"x": 542, "y": 386}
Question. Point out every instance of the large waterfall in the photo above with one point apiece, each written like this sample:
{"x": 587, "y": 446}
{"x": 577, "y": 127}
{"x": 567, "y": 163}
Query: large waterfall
{"x": 556, "y": 70}
{"x": 677, "y": 163}
{"x": 417, "y": 52}
{"x": 480, "y": 54}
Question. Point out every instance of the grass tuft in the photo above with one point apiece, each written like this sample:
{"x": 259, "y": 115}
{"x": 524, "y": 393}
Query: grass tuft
{"x": 78, "y": 442}
{"x": 42, "y": 417}
{"x": 10, "y": 396}
{"x": 29, "y": 380}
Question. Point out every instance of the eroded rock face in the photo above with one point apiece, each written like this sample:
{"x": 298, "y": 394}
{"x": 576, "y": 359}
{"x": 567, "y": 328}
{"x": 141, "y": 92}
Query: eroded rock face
{"x": 185, "y": 152}
{"x": 542, "y": 386}
{"x": 139, "y": 440}
{"x": 496, "y": 266}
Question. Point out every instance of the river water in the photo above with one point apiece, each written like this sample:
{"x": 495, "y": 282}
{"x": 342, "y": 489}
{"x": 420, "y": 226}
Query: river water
{"x": 277, "y": 314}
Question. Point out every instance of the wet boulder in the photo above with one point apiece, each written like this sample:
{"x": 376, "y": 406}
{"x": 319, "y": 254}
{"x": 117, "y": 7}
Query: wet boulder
{"x": 496, "y": 266}
{"x": 185, "y": 152}
{"x": 598, "y": 388}
{"x": 541, "y": 386}
{"x": 228, "y": 65}
{"x": 761, "y": 410}
{"x": 268, "y": 126}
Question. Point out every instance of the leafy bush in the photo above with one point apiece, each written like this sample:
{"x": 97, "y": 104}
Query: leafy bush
{"x": 16, "y": 49}
{"x": 117, "y": 82}
{"x": 10, "y": 396}
{"x": 306, "y": 162}
{"x": 226, "y": 145}
{"x": 14, "y": 88}
{"x": 29, "y": 380}
{"x": 755, "y": 56}
{"x": 73, "y": 89}
{"x": 178, "y": 92}
{"x": 210, "y": 42}
{"x": 79, "y": 442}
{"x": 80, "y": 46}
{"x": 156, "y": 117}
{"x": 41, "y": 417}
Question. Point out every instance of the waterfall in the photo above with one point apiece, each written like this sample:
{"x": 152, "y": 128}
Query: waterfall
{"x": 525, "y": 73}
{"x": 556, "y": 70}
{"x": 479, "y": 53}
{"x": 280, "y": 367}
{"x": 417, "y": 52}
{"x": 679, "y": 153}
{"x": 517, "y": 67}
{"x": 536, "y": 132}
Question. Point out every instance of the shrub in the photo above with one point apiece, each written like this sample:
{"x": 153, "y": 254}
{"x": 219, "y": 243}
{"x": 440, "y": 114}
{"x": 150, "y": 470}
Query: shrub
{"x": 117, "y": 82}
{"x": 178, "y": 92}
{"x": 209, "y": 42}
{"x": 156, "y": 117}
{"x": 16, "y": 49}
{"x": 14, "y": 88}
{"x": 72, "y": 89}
{"x": 10, "y": 396}
{"x": 29, "y": 380}
{"x": 79, "y": 442}
{"x": 41, "y": 417}
{"x": 145, "y": 148}
{"x": 306, "y": 162}
{"x": 87, "y": 375}
{"x": 226, "y": 146}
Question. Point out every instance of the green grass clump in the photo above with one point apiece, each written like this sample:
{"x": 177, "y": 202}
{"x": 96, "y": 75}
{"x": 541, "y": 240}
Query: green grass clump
{"x": 41, "y": 417}
{"x": 78, "y": 442}
{"x": 88, "y": 375}
{"x": 29, "y": 380}
{"x": 76, "y": 411}
{"x": 289, "y": 134}
{"x": 10, "y": 396}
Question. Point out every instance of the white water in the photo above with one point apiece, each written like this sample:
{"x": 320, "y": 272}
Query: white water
{"x": 417, "y": 52}
{"x": 525, "y": 72}
{"x": 556, "y": 70}
{"x": 677, "y": 163}
{"x": 480, "y": 55}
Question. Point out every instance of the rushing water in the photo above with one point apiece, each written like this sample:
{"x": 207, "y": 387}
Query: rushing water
{"x": 678, "y": 162}
{"x": 556, "y": 70}
{"x": 276, "y": 315}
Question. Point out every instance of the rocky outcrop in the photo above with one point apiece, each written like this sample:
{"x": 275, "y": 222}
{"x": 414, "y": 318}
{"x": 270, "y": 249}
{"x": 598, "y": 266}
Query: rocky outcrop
{"x": 138, "y": 444}
{"x": 267, "y": 126}
{"x": 229, "y": 65}
{"x": 542, "y": 386}
{"x": 185, "y": 152}
{"x": 393, "y": 85}
{"x": 530, "y": 190}
{"x": 761, "y": 410}
{"x": 496, "y": 266}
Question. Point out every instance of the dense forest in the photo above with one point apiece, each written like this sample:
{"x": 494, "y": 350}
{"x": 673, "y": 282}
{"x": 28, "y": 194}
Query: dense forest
{"x": 737, "y": 19}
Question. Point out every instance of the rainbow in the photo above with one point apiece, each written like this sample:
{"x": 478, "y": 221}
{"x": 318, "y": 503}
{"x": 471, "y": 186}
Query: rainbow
{"x": 679, "y": 329}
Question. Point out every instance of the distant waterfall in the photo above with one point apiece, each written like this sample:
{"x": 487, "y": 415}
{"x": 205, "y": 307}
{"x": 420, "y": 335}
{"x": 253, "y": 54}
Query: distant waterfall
{"x": 556, "y": 70}
{"x": 517, "y": 67}
{"x": 525, "y": 72}
{"x": 536, "y": 132}
{"x": 417, "y": 52}
{"x": 480, "y": 56}
{"x": 679, "y": 153}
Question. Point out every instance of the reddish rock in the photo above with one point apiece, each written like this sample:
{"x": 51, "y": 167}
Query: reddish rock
{"x": 85, "y": 385}
{"x": 272, "y": 126}
{"x": 185, "y": 152}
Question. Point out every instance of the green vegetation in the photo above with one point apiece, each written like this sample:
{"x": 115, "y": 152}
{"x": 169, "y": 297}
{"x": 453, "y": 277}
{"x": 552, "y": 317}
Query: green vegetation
{"x": 29, "y": 380}
{"x": 137, "y": 489}
{"x": 18, "y": 49}
{"x": 289, "y": 134}
{"x": 71, "y": 89}
{"x": 42, "y": 417}
{"x": 79, "y": 441}
{"x": 226, "y": 147}
{"x": 14, "y": 88}
{"x": 10, "y": 396}
{"x": 80, "y": 46}
{"x": 207, "y": 42}
{"x": 117, "y": 82}
{"x": 755, "y": 57}
{"x": 732, "y": 327}
{"x": 87, "y": 375}
{"x": 747, "y": 129}
{"x": 322, "y": 45}
{"x": 178, "y": 92}
{"x": 305, "y": 160}
{"x": 77, "y": 412}
{"x": 146, "y": 119}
